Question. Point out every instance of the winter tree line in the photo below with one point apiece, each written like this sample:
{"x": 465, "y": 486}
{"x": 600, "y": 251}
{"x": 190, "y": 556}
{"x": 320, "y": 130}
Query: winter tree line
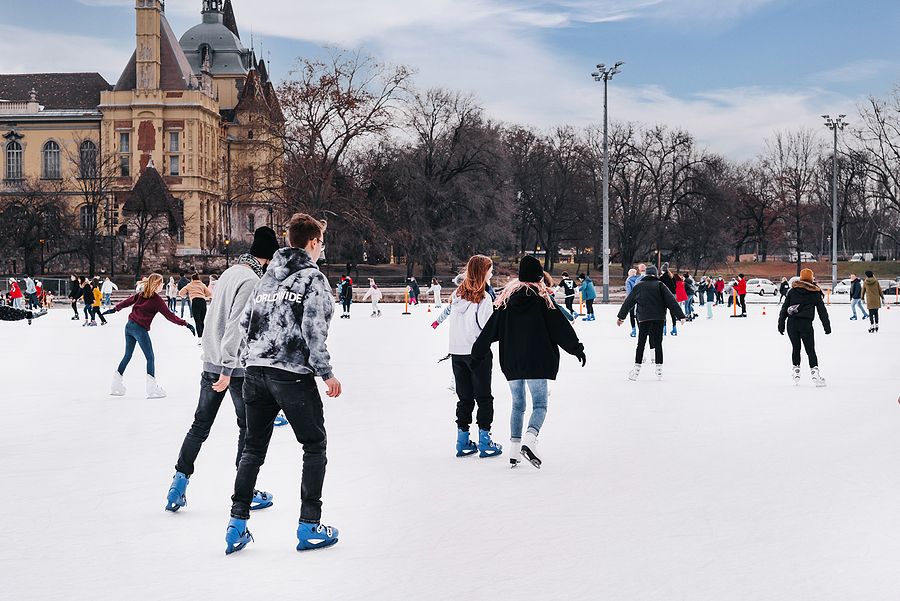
{"x": 428, "y": 176}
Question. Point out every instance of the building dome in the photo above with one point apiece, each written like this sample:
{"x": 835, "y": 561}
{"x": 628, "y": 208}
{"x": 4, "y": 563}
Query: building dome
{"x": 227, "y": 55}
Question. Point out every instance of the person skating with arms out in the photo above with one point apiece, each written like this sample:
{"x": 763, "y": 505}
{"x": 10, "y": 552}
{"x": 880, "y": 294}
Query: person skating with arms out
{"x": 286, "y": 326}
{"x": 531, "y": 329}
{"x": 651, "y": 299}
{"x": 145, "y": 305}
{"x": 223, "y": 368}
{"x": 801, "y": 304}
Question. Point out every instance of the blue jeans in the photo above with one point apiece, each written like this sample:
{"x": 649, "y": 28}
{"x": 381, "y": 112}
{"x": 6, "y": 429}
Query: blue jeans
{"x": 205, "y": 415}
{"x": 538, "y": 390}
{"x": 188, "y": 302}
{"x": 858, "y": 301}
{"x": 689, "y": 306}
{"x": 88, "y": 312}
{"x": 171, "y": 304}
{"x": 135, "y": 334}
{"x": 106, "y": 296}
{"x": 268, "y": 390}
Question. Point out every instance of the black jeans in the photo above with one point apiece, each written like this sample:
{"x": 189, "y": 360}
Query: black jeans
{"x": 569, "y": 300}
{"x": 801, "y": 330}
{"x": 590, "y": 306}
{"x": 75, "y": 306}
{"x": 633, "y": 320}
{"x": 97, "y": 312}
{"x": 205, "y": 415}
{"x": 652, "y": 328}
{"x": 873, "y": 317}
{"x": 198, "y": 312}
{"x": 267, "y": 391}
{"x": 473, "y": 385}
{"x": 742, "y": 300}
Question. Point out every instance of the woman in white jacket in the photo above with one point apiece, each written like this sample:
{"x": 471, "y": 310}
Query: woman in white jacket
{"x": 471, "y": 307}
{"x": 375, "y": 294}
{"x": 436, "y": 288}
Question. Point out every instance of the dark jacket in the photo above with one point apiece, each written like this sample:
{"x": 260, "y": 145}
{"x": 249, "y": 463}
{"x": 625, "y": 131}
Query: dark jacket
{"x": 783, "y": 289}
{"x": 666, "y": 278}
{"x": 803, "y": 300}
{"x": 74, "y": 290}
{"x": 689, "y": 286}
{"x": 855, "y": 289}
{"x": 650, "y": 297}
{"x": 346, "y": 291}
{"x": 87, "y": 294}
{"x": 182, "y": 282}
{"x": 530, "y": 335}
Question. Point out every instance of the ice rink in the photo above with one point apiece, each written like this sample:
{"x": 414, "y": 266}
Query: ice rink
{"x": 722, "y": 481}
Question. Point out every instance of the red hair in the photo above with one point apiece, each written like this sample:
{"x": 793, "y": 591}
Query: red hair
{"x": 473, "y": 287}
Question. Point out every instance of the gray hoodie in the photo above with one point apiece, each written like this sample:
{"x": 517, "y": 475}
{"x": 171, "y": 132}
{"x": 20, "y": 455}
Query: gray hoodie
{"x": 223, "y": 337}
{"x": 286, "y": 319}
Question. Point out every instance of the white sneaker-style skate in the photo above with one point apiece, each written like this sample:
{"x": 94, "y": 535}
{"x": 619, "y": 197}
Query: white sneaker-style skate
{"x": 658, "y": 367}
{"x": 118, "y": 387}
{"x": 153, "y": 389}
{"x": 817, "y": 377}
{"x": 529, "y": 449}
{"x": 795, "y": 373}
{"x": 635, "y": 372}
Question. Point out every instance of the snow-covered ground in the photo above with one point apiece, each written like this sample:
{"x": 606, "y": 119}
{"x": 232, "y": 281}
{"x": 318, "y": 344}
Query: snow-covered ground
{"x": 722, "y": 481}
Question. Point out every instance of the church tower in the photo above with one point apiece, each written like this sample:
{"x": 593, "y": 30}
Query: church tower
{"x": 148, "y": 62}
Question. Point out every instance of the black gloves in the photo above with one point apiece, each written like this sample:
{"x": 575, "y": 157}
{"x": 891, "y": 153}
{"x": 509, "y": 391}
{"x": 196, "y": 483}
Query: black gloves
{"x": 108, "y": 312}
{"x": 581, "y": 357}
{"x": 191, "y": 328}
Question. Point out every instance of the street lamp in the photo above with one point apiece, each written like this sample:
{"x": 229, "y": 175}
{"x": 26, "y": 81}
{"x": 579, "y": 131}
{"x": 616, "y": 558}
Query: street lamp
{"x": 227, "y": 242}
{"x": 834, "y": 125}
{"x": 604, "y": 74}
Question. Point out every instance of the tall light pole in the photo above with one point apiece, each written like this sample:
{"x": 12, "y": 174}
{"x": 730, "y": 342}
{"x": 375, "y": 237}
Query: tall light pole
{"x": 834, "y": 125}
{"x": 604, "y": 74}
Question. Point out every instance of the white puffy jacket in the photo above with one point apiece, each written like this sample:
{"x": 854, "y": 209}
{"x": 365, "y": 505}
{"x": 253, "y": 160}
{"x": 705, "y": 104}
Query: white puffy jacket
{"x": 466, "y": 322}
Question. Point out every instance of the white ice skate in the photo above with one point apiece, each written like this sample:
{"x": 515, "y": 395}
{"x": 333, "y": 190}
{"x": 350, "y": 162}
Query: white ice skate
{"x": 515, "y": 447}
{"x": 796, "y": 375}
{"x": 634, "y": 373}
{"x": 153, "y": 389}
{"x": 529, "y": 449}
{"x": 118, "y": 387}
{"x": 658, "y": 367}
{"x": 817, "y": 377}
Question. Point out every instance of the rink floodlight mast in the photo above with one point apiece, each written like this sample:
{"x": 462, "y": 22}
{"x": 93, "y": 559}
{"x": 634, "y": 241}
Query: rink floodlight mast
{"x": 834, "y": 125}
{"x": 604, "y": 74}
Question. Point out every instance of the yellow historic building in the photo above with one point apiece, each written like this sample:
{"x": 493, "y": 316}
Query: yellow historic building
{"x": 199, "y": 110}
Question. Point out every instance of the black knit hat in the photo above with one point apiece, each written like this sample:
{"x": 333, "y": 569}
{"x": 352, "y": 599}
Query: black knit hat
{"x": 265, "y": 243}
{"x": 530, "y": 270}
{"x": 651, "y": 270}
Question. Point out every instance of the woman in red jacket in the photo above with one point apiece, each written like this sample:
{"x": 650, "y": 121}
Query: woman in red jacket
{"x": 146, "y": 304}
{"x": 15, "y": 293}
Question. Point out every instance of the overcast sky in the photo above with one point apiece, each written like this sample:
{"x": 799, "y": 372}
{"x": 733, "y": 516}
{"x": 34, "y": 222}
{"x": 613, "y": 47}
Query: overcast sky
{"x": 731, "y": 72}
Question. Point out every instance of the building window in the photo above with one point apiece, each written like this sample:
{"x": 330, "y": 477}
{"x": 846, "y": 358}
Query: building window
{"x": 125, "y": 165}
{"x": 173, "y": 141}
{"x": 88, "y": 156}
{"x": 124, "y": 142}
{"x": 173, "y": 165}
{"x": 179, "y": 237}
{"x": 13, "y": 160}
{"x": 88, "y": 216}
{"x": 50, "y": 160}
{"x": 251, "y": 222}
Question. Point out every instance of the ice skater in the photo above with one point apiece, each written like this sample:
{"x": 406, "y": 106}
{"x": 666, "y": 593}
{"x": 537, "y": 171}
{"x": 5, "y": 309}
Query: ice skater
{"x": 633, "y": 278}
{"x": 145, "y": 305}
{"x": 651, "y": 298}
{"x": 872, "y": 294}
{"x": 802, "y": 302}
{"x": 346, "y": 296}
{"x": 567, "y": 285}
{"x": 856, "y": 297}
{"x": 198, "y": 293}
{"x": 286, "y": 325}
{"x": 74, "y": 294}
{"x": 223, "y": 368}
{"x": 531, "y": 329}
{"x": 588, "y": 294}
{"x": 436, "y": 288}
{"x": 470, "y": 308}
{"x": 375, "y": 294}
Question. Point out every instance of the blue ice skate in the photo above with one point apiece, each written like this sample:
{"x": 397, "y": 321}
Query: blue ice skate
{"x": 633, "y": 332}
{"x": 176, "y": 497}
{"x": 674, "y": 331}
{"x": 261, "y": 499}
{"x": 486, "y": 446}
{"x": 280, "y": 420}
{"x": 315, "y": 536}
{"x": 464, "y": 446}
{"x": 236, "y": 535}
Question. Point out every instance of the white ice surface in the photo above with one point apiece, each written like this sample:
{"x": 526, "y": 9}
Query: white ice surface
{"x": 722, "y": 481}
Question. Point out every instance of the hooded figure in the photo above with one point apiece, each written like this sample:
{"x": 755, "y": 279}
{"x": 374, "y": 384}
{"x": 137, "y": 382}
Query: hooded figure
{"x": 801, "y": 304}
{"x": 872, "y": 295}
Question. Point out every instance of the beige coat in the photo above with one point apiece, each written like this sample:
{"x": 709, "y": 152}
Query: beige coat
{"x": 872, "y": 293}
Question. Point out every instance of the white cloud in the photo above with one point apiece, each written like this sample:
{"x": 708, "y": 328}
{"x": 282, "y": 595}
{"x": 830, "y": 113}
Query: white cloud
{"x": 856, "y": 71}
{"x": 50, "y": 52}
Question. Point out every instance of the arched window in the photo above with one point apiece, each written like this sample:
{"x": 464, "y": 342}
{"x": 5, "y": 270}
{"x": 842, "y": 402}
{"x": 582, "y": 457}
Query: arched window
{"x": 13, "y": 160}
{"x": 50, "y": 160}
{"x": 88, "y": 215}
{"x": 88, "y": 156}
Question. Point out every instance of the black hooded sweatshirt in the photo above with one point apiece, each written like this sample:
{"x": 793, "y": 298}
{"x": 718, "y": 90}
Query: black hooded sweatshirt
{"x": 651, "y": 298}
{"x": 530, "y": 335}
{"x": 803, "y": 300}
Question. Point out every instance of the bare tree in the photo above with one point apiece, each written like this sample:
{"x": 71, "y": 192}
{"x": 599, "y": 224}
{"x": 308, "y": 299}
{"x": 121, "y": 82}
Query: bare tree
{"x": 151, "y": 213}
{"x": 36, "y": 223}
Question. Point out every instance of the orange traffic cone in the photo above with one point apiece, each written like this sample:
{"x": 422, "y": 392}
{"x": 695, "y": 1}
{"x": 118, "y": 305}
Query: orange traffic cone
{"x": 429, "y": 308}
{"x": 764, "y": 310}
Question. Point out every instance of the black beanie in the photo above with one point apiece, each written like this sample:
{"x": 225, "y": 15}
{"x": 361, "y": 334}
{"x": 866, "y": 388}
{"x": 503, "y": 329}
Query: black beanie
{"x": 530, "y": 270}
{"x": 651, "y": 270}
{"x": 265, "y": 243}
{"x": 869, "y": 274}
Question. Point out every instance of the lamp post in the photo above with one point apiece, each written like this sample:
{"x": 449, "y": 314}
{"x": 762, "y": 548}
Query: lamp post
{"x": 604, "y": 74}
{"x": 834, "y": 125}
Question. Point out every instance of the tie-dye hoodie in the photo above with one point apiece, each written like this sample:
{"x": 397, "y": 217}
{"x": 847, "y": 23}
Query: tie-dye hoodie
{"x": 286, "y": 319}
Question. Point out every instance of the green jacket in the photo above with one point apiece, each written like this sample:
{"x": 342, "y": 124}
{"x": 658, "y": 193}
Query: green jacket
{"x": 872, "y": 293}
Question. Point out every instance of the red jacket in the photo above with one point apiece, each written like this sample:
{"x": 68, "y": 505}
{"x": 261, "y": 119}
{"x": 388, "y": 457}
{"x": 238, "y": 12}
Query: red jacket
{"x": 741, "y": 287}
{"x": 145, "y": 309}
{"x": 14, "y": 291}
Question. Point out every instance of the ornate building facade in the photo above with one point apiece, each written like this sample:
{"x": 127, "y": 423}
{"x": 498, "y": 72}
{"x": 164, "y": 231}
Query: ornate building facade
{"x": 199, "y": 110}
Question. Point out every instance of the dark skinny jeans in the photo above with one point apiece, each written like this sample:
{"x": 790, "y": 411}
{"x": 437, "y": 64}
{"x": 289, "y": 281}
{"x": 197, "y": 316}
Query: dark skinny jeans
{"x": 652, "y": 329}
{"x": 801, "y": 330}
{"x": 198, "y": 312}
{"x": 205, "y": 415}
{"x": 135, "y": 334}
{"x": 268, "y": 390}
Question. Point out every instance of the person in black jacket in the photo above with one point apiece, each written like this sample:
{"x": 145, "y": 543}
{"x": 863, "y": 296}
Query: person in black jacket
{"x": 799, "y": 310}
{"x": 74, "y": 294}
{"x": 783, "y": 289}
{"x": 182, "y": 282}
{"x": 87, "y": 295}
{"x": 346, "y": 296}
{"x": 666, "y": 278}
{"x": 650, "y": 297}
{"x": 531, "y": 329}
{"x": 856, "y": 297}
